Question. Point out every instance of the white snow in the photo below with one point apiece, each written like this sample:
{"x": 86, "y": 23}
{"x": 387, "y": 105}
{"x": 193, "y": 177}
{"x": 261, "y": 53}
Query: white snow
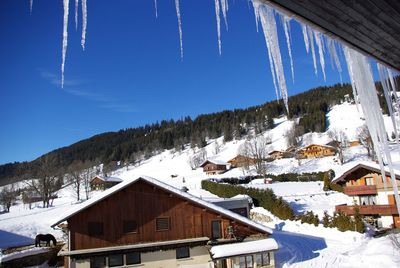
{"x": 244, "y": 248}
{"x": 23, "y": 253}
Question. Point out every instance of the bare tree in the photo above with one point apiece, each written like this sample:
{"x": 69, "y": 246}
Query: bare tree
{"x": 75, "y": 177}
{"x": 365, "y": 139}
{"x": 217, "y": 147}
{"x": 294, "y": 135}
{"x": 46, "y": 182}
{"x": 340, "y": 142}
{"x": 198, "y": 158}
{"x": 256, "y": 148}
{"x": 7, "y": 197}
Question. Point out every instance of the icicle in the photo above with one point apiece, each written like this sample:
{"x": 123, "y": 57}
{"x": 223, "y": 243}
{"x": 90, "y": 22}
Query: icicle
{"x": 65, "y": 40}
{"x": 224, "y": 7}
{"x": 217, "y": 12}
{"x": 305, "y": 37}
{"x": 155, "y": 7}
{"x": 84, "y": 23}
{"x": 387, "y": 89}
{"x": 30, "y": 6}
{"x": 362, "y": 79}
{"x": 334, "y": 56}
{"x": 256, "y": 13}
{"x": 76, "y": 14}
{"x": 178, "y": 14}
{"x": 268, "y": 24}
{"x": 286, "y": 27}
{"x": 310, "y": 34}
{"x": 320, "y": 45}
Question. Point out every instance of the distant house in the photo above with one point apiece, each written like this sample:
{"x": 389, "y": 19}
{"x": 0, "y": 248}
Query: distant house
{"x": 145, "y": 222}
{"x": 242, "y": 161}
{"x": 316, "y": 150}
{"x": 102, "y": 183}
{"x": 213, "y": 167}
{"x": 240, "y": 204}
{"x": 354, "y": 143}
{"x": 363, "y": 182}
{"x": 276, "y": 154}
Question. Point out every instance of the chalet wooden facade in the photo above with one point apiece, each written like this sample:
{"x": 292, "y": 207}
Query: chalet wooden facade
{"x": 103, "y": 183}
{"x": 363, "y": 182}
{"x": 276, "y": 154}
{"x": 316, "y": 150}
{"x": 242, "y": 161}
{"x": 213, "y": 167}
{"x": 147, "y": 222}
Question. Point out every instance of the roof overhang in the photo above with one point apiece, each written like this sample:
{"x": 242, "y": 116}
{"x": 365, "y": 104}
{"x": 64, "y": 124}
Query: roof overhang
{"x": 243, "y": 248}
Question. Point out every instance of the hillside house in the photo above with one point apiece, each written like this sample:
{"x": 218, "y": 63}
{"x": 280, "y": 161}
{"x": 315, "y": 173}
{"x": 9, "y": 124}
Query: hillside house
{"x": 102, "y": 183}
{"x": 276, "y": 154}
{"x": 213, "y": 167}
{"x": 316, "y": 150}
{"x": 145, "y": 222}
{"x": 242, "y": 161}
{"x": 363, "y": 182}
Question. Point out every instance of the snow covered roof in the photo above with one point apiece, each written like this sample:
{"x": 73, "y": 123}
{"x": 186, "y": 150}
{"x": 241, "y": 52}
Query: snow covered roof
{"x": 108, "y": 179}
{"x": 170, "y": 189}
{"x": 217, "y": 162}
{"x": 322, "y": 145}
{"x": 243, "y": 248}
{"x": 366, "y": 165}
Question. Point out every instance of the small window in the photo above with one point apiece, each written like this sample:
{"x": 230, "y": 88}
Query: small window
{"x": 162, "y": 224}
{"x": 133, "y": 258}
{"x": 182, "y": 253}
{"x": 130, "y": 227}
{"x": 95, "y": 229}
{"x": 97, "y": 262}
{"x": 115, "y": 260}
{"x": 262, "y": 259}
{"x": 216, "y": 230}
{"x": 246, "y": 262}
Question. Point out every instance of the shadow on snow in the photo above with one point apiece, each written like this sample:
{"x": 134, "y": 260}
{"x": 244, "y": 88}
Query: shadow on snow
{"x": 8, "y": 240}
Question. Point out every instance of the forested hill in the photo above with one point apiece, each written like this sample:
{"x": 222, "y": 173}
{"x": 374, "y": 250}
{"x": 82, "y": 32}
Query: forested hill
{"x": 131, "y": 144}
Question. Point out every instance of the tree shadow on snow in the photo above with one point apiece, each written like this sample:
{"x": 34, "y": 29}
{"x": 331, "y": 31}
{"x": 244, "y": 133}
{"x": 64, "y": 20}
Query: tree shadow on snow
{"x": 297, "y": 207}
{"x": 295, "y": 248}
{"x": 8, "y": 240}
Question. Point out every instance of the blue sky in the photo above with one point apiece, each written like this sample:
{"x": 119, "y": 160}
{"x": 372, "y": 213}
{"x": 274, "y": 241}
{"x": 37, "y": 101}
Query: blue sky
{"x": 130, "y": 73}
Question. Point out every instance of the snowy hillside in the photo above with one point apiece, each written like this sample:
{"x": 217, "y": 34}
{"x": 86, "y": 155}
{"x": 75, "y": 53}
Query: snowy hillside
{"x": 301, "y": 245}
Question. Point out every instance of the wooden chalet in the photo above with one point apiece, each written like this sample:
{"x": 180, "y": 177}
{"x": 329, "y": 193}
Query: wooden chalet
{"x": 363, "y": 182}
{"x": 316, "y": 150}
{"x": 242, "y": 161}
{"x": 102, "y": 183}
{"x": 213, "y": 167}
{"x": 276, "y": 154}
{"x": 144, "y": 222}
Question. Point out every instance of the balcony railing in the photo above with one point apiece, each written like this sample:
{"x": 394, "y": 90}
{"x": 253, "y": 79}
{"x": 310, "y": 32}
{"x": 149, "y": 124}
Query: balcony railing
{"x": 360, "y": 190}
{"x": 368, "y": 209}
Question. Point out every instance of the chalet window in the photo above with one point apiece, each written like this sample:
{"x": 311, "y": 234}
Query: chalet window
{"x": 369, "y": 181}
{"x": 115, "y": 260}
{"x": 130, "y": 227}
{"x": 98, "y": 262}
{"x": 366, "y": 200}
{"x": 216, "y": 230}
{"x": 163, "y": 224}
{"x": 182, "y": 253}
{"x": 246, "y": 261}
{"x": 95, "y": 228}
{"x": 133, "y": 258}
{"x": 262, "y": 259}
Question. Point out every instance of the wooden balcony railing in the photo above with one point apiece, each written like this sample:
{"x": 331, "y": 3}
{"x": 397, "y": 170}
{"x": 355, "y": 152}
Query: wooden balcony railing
{"x": 368, "y": 210}
{"x": 360, "y": 190}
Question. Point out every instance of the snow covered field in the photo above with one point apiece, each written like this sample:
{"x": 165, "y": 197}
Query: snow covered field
{"x": 301, "y": 245}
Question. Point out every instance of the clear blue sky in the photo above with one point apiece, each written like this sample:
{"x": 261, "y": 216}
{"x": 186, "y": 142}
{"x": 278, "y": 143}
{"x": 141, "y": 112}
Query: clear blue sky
{"x": 130, "y": 73}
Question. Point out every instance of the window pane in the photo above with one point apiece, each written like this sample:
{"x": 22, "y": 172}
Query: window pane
{"x": 265, "y": 258}
{"x": 133, "y": 258}
{"x": 129, "y": 226}
{"x": 115, "y": 260}
{"x": 249, "y": 261}
{"x": 182, "y": 253}
{"x": 216, "y": 229}
{"x": 242, "y": 262}
{"x": 97, "y": 262}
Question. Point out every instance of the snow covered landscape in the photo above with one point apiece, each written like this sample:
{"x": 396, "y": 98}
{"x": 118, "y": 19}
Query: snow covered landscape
{"x": 300, "y": 245}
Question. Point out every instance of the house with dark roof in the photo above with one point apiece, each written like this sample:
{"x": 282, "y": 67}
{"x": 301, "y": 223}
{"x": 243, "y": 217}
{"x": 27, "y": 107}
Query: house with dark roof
{"x": 145, "y": 222}
{"x": 363, "y": 182}
{"x": 213, "y": 167}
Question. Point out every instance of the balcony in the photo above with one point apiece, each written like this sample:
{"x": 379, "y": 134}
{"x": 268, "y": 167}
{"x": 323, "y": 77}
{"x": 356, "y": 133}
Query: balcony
{"x": 360, "y": 190}
{"x": 368, "y": 210}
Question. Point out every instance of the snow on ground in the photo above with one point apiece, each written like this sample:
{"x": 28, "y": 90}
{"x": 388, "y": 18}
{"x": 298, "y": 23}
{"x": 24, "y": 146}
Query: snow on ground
{"x": 301, "y": 245}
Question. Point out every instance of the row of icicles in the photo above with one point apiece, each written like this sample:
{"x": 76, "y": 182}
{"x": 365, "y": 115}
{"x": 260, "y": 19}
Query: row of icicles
{"x": 358, "y": 65}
